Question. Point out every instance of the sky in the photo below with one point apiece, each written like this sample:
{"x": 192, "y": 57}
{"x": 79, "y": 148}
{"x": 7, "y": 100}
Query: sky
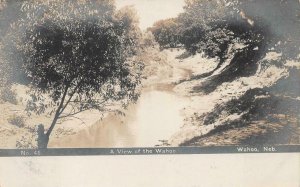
{"x": 151, "y": 11}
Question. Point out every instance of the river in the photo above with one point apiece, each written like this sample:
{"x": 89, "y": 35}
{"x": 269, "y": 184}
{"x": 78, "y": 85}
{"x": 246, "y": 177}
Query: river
{"x": 153, "y": 119}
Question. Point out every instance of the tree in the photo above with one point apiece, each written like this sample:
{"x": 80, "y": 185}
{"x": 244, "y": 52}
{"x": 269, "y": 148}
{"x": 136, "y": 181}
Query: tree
{"x": 282, "y": 18}
{"x": 76, "y": 55}
{"x": 200, "y": 17}
{"x": 165, "y": 32}
{"x": 260, "y": 27}
{"x": 214, "y": 26}
{"x": 210, "y": 26}
{"x": 148, "y": 40}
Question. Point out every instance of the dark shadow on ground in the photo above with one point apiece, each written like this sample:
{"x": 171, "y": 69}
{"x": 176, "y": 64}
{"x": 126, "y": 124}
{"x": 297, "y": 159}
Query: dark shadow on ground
{"x": 243, "y": 64}
{"x": 265, "y": 119}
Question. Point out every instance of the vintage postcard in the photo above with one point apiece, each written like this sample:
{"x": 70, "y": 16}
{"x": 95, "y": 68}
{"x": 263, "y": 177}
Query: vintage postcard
{"x": 172, "y": 93}
{"x": 130, "y": 77}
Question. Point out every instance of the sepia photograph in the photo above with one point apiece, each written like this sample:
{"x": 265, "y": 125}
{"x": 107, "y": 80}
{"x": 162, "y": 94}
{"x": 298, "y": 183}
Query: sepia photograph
{"x": 149, "y": 73}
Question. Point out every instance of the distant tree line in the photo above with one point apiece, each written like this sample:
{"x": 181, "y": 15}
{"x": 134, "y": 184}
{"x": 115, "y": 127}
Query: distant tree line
{"x": 211, "y": 25}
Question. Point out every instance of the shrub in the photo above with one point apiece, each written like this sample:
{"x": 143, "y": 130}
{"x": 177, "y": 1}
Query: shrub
{"x": 8, "y": 95}
{"x": 26, "y": 142}
{"x": 16, "y": 120}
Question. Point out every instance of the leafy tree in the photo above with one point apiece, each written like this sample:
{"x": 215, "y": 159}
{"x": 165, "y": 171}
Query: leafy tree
{"x": 261, "y": 26}
{"x": 76, "y": 55}
{"x": 200, "y": 17}
{"x": 148, "y": 40}
{"x": 282, "y": 19}
{"x": 165, "y": 32}
{"x": 128, "y": 24}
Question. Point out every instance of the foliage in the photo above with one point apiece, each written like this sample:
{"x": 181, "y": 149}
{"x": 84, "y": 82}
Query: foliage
{"x": 211, "y": 26}
{"x": 6, "y": 73}
{"x": 16, "y": 120}
{"x": 165, "y": 33}
{"x": 128, "y": 23}
{"x": 77, "y": 55}
{"x": 200, "y": 22}
{"x": 8, "y": 95}
{"x": 217, "y": 27}
{"x": 27, "y": 141}
{"x": 282, "y": 18}
{"x": 148, "y": 40}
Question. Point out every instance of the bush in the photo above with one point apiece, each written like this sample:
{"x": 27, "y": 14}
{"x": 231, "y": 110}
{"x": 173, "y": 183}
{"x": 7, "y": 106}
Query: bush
{"x": 8, "y": 95}
{"x": 16, "y": 120}
{"x": 26, "y": 142}
{"x": 165, "y": 34}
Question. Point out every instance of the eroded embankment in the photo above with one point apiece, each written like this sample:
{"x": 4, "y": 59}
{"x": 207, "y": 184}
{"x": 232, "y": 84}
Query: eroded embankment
{"x": 252, "y": 108}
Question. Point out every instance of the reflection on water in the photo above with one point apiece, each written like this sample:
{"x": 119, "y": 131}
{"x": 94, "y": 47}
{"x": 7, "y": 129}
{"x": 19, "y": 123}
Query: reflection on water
{"x": 155, "y": 117}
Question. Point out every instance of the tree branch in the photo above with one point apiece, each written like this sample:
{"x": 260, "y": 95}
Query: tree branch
{"x": 74, "y": 113}
{"x": 75, "y": 118}
{"x": 57, "y": 113}
{"x": 72, "y": 94}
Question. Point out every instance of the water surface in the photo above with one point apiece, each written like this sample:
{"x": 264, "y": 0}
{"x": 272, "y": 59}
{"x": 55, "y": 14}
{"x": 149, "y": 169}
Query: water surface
{"x": 155, "y": 117}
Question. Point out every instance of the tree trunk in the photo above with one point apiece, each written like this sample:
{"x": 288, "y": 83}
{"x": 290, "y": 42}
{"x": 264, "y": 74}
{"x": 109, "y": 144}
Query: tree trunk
{"x": 42, "y": 139}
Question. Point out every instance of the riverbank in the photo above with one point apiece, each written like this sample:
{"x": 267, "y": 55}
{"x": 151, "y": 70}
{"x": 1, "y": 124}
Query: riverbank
{"x": 213, "y": 120}
{"x": 169, "y": 112}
